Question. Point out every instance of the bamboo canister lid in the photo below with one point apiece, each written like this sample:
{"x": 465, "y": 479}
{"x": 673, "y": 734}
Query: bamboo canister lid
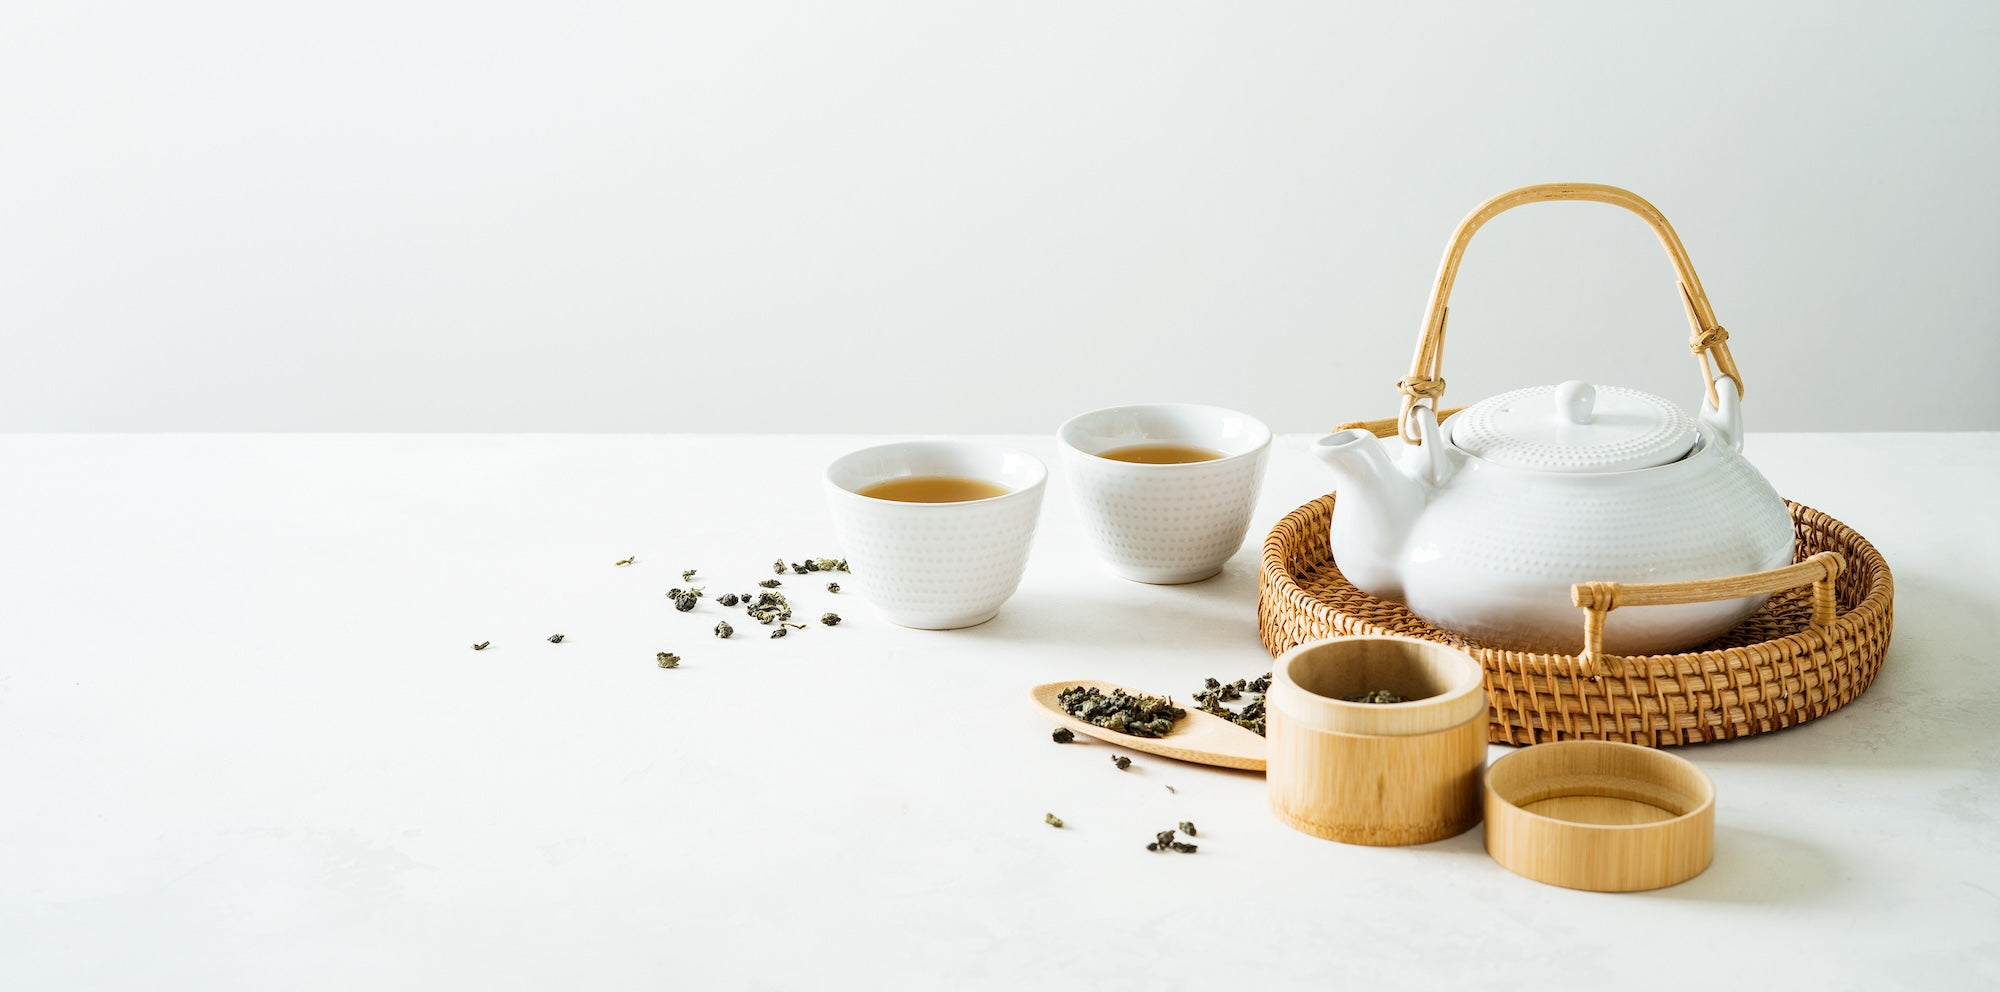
{"x": 1600, "y": 815}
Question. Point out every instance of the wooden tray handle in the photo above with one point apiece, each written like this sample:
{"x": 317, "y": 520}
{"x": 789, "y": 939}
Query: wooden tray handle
{"x": 1600, "y": 598}
{"x": 1425, "y": 383}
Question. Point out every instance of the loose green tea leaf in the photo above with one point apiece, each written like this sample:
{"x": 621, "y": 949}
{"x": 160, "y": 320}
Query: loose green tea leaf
{"x": 1377, "y": 696}
{"x": 781, "y": 631}
{"x": 1182, "y": 848}
{"x": 830, "y": 619}
{"x": 770, "y": 583}
{"x": 625, "y": 561}
{"x": 1052, "y": 820}
{"x": 778, "y": 566}
{"x": 726, "y": 599}
{"x": 688, "y": 576}
{"x": 1164, "y": 838}
{"x": 668, "y": 659}
{"x": 1063, "y": 735}
{"x": 833, "y": 587}
{"x": 481, "y": 646}
{"x": 1251, "y": 716}
{"x": 1138, "y": 715}
{"x": 723, "y": 630}
{"x": 555, "y": 638}
{"x": 770, "y": 607}
{"x": 1187, "y": 827}
{"x": 1121, "y": 761}
{"x": 831, "y": 564}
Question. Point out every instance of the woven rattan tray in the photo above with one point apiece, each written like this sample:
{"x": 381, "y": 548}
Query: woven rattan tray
{"x": 1775, "y": 670}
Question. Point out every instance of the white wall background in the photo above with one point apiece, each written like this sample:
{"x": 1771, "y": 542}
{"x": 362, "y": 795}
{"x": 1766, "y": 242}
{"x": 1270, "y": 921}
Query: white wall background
{"x": 938, "y": 217}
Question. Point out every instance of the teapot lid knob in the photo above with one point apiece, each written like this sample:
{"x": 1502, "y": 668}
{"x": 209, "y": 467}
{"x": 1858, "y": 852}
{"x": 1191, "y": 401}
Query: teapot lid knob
{"x": 1575, "y": 400}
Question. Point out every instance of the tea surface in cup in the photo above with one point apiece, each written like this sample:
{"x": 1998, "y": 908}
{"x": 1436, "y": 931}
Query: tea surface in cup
{"x": 1161, "y": 454}
{"x": 934, "y": 489}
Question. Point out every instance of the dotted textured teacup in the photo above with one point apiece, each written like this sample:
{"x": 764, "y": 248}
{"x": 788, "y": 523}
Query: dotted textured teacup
{"x": 1165, "y": 523}
{"x": 936, "y": 566}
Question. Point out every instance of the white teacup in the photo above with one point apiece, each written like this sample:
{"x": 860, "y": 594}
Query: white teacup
{"x": 936, "y": 566}
{"x": 1165, "y": 523}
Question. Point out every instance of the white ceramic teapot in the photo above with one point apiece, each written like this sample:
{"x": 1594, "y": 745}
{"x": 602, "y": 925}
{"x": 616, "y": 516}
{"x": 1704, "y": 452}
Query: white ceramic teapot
{"x": 1486, "y": 521}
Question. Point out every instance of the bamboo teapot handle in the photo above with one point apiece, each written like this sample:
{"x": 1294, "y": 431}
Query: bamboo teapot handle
{"x": 1600, "y": 598}
{"x": 1425, "y": 383}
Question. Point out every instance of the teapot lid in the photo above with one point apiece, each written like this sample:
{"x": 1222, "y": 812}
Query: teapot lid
{"x": 1575, "y": 427}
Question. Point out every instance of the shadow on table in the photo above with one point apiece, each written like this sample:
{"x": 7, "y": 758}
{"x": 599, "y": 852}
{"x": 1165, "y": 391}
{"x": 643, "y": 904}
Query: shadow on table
{"x": 1752, "y": 868}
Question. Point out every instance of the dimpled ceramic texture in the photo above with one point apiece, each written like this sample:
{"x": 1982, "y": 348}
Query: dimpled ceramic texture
{"x": 1165, "y": 523}
{"x": 936, "y": 566}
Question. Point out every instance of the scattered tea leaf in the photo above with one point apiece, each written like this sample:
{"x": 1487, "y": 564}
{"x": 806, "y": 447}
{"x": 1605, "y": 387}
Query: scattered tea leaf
{"x": 769, "y": 608}
{"x": 688, "y": 576}
{"x": 1052, "y": 820}
{"x": 778, "y": 566}
{"x": 770, "y": 583}
{"x": 1187, "y": 827}
{"x": 833, "y": 587}
{"x": 726, "y": 599}
{"x": 830, "y": 619}
{"x": 625, "y": 561}
{"x": 1063, "y": 735}
{"x": 723, "y": 630}
{"x": 481, "y": 646}
{"x": 668, "y": 659}
{"x": 1121, "y": 761}
{"x": 555, "y": 638}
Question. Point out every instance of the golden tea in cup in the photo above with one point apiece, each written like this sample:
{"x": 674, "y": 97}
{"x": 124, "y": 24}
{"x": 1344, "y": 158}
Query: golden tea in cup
{"x": 1165, "y": 489}
{"x": 938, "y": 531}
{"x": 1161, "y": 454}
{"x": 934, "y": 489}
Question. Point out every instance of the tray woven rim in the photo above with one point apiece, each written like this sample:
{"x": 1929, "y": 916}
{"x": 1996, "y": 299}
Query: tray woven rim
{"x": 1741, "y": 685}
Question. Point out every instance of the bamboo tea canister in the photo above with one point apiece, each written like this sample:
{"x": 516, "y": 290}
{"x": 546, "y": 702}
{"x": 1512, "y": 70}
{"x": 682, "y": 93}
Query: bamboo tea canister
{"x": 1600, "y": 815}
{"x": 1382, "y": 774}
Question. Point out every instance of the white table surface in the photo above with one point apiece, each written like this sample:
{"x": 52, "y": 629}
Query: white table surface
{"x": 244, "y": 744}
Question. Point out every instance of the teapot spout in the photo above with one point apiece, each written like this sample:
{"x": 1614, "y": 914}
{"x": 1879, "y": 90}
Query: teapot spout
{"x": 1377, "y": 507}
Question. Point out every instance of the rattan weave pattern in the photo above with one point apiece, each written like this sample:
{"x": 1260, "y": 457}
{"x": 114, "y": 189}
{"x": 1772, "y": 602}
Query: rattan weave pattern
{"x": 1773, "y": 671}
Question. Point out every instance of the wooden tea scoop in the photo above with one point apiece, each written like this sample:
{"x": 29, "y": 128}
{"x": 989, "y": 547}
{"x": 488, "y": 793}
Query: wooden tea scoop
{"x": 1203, "y": 738}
